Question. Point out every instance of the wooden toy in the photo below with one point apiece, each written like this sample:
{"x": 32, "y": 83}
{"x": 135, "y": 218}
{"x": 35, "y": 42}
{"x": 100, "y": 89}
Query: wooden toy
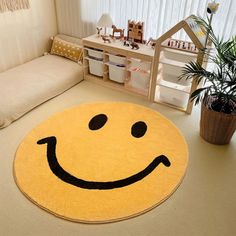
{"x": 99, "y": 31}
{"x": 119, "y": 31}
{"x": 134, "y": 46}
{"x": 135, "y": 31}
{"x": 151, "y": 42}
{"x": 106, "y": 39}
{"x": 126, "y": 43}
{"x": 180, "y": 44}
{"x": 112, "y": 37}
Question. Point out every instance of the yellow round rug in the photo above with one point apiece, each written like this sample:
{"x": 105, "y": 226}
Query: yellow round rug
{"x": 101, "y": 162}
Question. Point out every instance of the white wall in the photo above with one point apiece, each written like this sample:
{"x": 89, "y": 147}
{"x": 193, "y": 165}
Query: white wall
{"x": 25, "y": 34}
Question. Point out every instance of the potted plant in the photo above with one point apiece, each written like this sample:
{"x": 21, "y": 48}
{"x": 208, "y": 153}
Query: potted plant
{"x": 218, "y": 93}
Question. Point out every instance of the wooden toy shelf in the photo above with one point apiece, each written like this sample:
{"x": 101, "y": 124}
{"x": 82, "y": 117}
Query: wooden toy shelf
{"x": 170, "y": 57}
{"x": 117, "y": 66}
{"x": 152, "y": 74}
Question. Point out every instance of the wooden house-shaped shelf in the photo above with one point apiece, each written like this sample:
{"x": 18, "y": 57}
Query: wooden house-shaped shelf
{"x": 169, "y": 58}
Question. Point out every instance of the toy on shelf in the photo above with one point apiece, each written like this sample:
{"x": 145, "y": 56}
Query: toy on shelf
{"x": 99, "y": 31}
{"x": 135, "y": 31}
{"x": 151, "y": 42}
{"x": 126, "y": 43}
{"x": 134, "y": 46}
{"x": 105, "y": 39}
{"x": 180, "y": 44}
{"x": 119, "y": 31}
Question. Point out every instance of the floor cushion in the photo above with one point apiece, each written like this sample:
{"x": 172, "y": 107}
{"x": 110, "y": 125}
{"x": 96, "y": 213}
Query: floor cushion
{"x": 26, "y": 86}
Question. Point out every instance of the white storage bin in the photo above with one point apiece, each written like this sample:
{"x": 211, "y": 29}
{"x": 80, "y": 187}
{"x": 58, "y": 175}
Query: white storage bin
{"x": 172, "y": 96}
{"x": 171, "y": 69}
{"x": 117, "y": 73}
{"x": 139, "y": 80}
{"x": 174, "y": 79}
{"x": 118, "y": 60}
{"x": 143, "y": 65}
{"x": 95, "y": 67}
{"x": 97, "y": 54}
{"x": 179, "y": 55}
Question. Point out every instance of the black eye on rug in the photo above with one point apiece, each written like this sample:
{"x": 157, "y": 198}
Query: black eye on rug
{"x": 139, "y": 129}
{"x": 97, "y": 122}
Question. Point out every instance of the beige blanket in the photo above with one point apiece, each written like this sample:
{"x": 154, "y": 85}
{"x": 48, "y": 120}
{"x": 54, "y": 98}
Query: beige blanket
{"x": 28, "y": 85}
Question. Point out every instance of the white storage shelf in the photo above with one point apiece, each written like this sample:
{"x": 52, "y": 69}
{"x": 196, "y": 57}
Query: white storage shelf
{"x": 169, "y": 75}
{"x": 169, "y": 88}
{"x": 140, "y": 64}
{"x": 174, "y": 86}
{"x": 178, "y": 56}
{"x": 116, "y": 59}
{"x": 139, "y": 78}
{"x": 95, "y": 53}
{"x": 95, "y": 67}
{"x": 172, "y": 96}
{"x": 172, "y": 93}
{"x": 117, "y": 73}
{"x": 94, "y": 58}
{"x": 118, "y": 66}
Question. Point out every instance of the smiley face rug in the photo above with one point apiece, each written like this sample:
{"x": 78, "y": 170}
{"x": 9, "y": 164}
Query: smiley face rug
{"x": 101, "y": 162}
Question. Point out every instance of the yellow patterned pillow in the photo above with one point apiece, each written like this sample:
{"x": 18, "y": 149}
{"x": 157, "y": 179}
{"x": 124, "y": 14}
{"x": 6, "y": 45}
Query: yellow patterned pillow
{"x": 66, "y": 49}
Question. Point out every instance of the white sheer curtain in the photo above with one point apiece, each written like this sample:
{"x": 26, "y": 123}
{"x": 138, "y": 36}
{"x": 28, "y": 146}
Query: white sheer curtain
{"x": 158, "y": 15}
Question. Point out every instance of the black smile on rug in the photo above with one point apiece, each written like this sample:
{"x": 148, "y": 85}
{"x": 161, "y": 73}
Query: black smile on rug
{"x": 68, "y": 178}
